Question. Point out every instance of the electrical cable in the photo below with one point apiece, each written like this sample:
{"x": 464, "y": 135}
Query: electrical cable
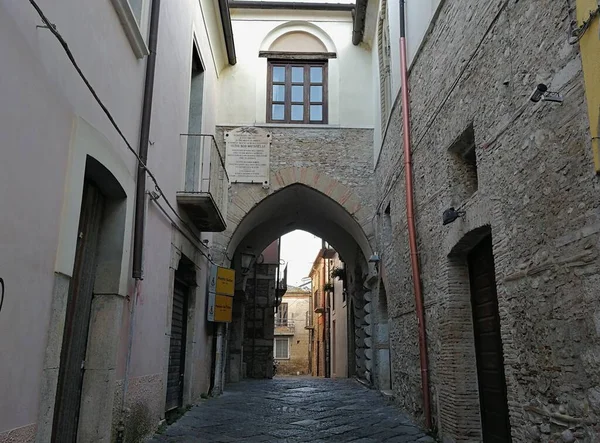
{"x": 155, "y": 200}
{"x": 71, "y": 57}
{"x": 1, "y": 293}
{"x": 577, "y": 33}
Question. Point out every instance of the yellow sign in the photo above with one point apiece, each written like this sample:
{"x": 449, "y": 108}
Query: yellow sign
{"x": 223, "y": 308}
{"x": 221, "y": 287}
{"x": 225, "y": 281}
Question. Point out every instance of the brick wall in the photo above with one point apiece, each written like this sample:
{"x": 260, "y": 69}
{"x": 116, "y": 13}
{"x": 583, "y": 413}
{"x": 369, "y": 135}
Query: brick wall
{"x": 537, "y": 196}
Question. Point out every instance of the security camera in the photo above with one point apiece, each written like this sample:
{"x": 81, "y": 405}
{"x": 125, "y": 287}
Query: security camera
{"x": 538, "y": 93}
{"x": 541, "y": 93}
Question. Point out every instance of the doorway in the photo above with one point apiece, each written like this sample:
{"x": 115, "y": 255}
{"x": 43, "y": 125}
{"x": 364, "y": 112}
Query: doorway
{"x": 488, "y": 344}
{"x": 177, "y": 345}
{"x": 77, "y": 321}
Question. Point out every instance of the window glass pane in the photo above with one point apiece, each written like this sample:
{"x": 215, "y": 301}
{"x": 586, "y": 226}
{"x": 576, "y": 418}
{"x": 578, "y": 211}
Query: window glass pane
{"x": 278, "y": 73}
{"x": 316, "y": 74}
{"x": 316, "y": 112}
{"x": 297, "y": 74}
{"x": 278, "y": 112}
{"x": 136, "y": 7}
{"x": 316, "y": 93}
{"x": 297, "y": 93}
{"x": 278, "y": 93}
{"x": 297, "y": 112}
{"x": 281, "y": 348}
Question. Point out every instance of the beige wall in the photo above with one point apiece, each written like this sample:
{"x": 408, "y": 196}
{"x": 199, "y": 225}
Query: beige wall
{"x": 244, "y": 85}
{"x": 49, "y": 124}
{"x": 339, "y": 326}
{"x": 298, "y": 305}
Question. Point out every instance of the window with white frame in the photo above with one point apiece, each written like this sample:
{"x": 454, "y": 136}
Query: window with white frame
{"x": 282, "y": 348}
{"x": 383, "y": 49}
{"x": 133, "y": 15}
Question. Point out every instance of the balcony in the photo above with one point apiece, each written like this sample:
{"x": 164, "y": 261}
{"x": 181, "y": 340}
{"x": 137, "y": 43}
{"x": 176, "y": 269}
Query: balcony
{"x": 284, "y": 326}
{"x": 206, "y": 183}
{"x": 319, "y": 302}
{"x": 308, "y": 324}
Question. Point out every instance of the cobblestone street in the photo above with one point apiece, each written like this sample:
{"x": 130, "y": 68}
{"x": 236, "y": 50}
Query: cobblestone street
{"x": 295, "y": 410}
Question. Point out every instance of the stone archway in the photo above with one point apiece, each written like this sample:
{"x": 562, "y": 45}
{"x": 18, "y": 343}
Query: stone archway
{"x": 306, "y": 199}
{"x": 244, "y": 198}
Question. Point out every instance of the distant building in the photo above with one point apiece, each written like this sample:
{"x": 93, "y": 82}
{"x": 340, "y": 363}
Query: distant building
{"x": 329, "y": 327}
{"x": 291, "y": 344}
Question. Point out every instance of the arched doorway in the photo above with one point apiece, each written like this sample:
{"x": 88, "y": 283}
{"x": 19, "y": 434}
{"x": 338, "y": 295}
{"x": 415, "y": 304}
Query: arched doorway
{"x": 293, "y": 207}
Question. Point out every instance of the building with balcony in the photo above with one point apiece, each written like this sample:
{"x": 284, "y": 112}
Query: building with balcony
{"x": 291, "y": 342}
{"x": 466, "y": 214}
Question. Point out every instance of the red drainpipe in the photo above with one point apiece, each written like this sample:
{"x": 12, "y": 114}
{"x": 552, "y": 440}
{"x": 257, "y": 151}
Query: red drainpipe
{"x": 410, "y": 214}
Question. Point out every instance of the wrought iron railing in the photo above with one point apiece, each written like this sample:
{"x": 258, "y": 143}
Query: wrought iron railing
{"x": 205, "y": 170}
{"x": 284, "y": 326}
{"x": 308, "y": 322}
{"x": 284, "y": 322}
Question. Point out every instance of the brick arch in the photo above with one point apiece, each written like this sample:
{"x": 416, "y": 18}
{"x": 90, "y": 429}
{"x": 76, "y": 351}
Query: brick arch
{"x": 245, "y": 198}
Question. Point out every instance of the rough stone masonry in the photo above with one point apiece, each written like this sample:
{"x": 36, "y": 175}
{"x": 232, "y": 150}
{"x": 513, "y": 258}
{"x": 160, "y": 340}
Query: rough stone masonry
{"x": 530, "y": 184}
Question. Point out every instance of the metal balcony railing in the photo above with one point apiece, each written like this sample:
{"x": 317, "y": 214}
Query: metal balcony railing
{"x": 308, "y": 323}
{"x": 205, "y": 193}
{"x": 284, "y": 322}
{"x": 284, "y": 326}
{"x": 319, "y": 301}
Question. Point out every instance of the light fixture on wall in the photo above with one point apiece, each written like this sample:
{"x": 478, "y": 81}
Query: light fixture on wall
{"x": 246, "y": 262}
{"x": 374, "y": 258}
{"x": 450, "y": 215}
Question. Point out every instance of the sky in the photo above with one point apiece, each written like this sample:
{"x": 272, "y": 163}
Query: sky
{"x": 299, "y": 250}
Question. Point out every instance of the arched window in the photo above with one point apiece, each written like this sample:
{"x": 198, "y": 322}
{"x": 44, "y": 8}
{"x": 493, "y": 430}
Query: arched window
{"x": 297, "y": 79}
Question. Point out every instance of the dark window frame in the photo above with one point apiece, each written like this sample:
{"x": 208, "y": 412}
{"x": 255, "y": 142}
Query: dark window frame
{"x": 287, "y": 102}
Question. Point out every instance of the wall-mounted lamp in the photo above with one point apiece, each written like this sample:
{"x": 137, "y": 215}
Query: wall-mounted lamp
{"x": 541, "y": 93}
{"x": 374, "y": 258}
{"x": 450, "y": 215}
{"x": 246, "y": 262}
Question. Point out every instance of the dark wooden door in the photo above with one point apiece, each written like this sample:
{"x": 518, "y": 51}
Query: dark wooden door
{"x": 177, "y": 347}
{"x": 488, "y": 345}
{"x": 70, "y": 376}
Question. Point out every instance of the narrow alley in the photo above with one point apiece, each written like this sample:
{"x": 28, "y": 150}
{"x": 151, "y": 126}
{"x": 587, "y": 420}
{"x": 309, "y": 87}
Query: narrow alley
{"x": 245, "y": 220}
{"x": 294, "y": 409}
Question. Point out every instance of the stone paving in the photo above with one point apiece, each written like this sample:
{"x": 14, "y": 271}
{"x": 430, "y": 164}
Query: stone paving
{"x": 295, "y": 409}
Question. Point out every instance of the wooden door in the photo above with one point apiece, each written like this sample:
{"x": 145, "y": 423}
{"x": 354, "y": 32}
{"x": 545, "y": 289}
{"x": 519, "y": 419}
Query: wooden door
{"x": 488, "y": 345}
{"x": 177, "y": 347}
{"x": 72, "y": 364}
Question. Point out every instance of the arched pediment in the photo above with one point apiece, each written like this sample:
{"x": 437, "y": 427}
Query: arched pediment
{"x": 298, "y": 41}
{"x": 292, "y": 30}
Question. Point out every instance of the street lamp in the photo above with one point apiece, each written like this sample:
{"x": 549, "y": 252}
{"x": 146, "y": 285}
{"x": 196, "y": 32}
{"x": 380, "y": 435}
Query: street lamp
{"x": 246, "y": 262}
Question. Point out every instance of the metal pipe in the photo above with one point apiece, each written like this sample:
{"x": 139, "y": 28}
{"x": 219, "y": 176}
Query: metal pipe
{"x": 140, "y": 199}
{"x": 254, "y": 322}
{"x": 219, "y": 360}
{"x": 325, "y": 315}
{"x": 410, "y": 215}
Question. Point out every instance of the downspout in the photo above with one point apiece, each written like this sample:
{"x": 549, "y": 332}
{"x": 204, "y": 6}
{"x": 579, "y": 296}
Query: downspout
{"x": 140, "y": 198}
{"x": 410, "y": 215}
{"x": 138, "y": 243}
{"x": 325, "y": 315}
{"x": 254, "y": 322}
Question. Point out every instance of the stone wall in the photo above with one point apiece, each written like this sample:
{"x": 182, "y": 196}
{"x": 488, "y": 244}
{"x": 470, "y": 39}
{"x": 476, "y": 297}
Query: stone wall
{"x": 259, "y": 323}
{"x": 534, "y": 191}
